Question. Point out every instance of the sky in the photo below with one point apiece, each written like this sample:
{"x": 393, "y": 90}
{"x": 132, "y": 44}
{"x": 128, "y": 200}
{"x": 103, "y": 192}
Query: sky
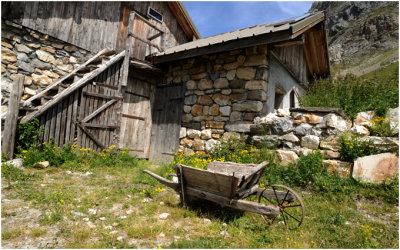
{"x": 212, "y": 18}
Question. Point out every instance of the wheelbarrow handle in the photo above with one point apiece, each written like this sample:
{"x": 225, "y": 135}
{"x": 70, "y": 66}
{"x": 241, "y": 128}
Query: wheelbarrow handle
{"x": 175, "y": 186}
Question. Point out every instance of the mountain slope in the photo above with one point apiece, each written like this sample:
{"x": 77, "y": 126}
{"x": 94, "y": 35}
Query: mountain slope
{"x": 362, "y": 36}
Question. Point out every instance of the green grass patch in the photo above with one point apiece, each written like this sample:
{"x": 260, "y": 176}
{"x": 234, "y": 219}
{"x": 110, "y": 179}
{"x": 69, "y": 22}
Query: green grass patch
{"x": 376, "y": 91}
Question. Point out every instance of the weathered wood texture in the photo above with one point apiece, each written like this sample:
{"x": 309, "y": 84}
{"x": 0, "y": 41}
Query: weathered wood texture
{"x": 98, "y": 121}
{"x": 293, "y": 57}
{"x": 10, "y": 125}
{"x": 136, "y": 120}
{"x": 96, "y": 25}
{"x": 166, "y": 115}
{"x": 216, "y": 183}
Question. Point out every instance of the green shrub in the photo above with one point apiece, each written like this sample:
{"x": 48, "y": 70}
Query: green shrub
{"x": 28, "y": 134}
{"x": 352, "y": 147}
{"x": 353, "y": 94}
{"x": 380, "y": 126}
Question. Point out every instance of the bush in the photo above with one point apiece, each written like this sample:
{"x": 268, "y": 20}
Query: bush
{"x": 380, "y": 126}
{"x": 353, "y": 94}
{"x": 28, "y": 134}
{"x": 352, "y": 147}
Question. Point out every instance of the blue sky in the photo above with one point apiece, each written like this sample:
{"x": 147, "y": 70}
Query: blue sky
{"x": 212, "y": 18}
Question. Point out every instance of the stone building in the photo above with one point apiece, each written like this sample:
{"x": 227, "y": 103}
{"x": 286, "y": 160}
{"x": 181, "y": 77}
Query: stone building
{"x": 139, "y": 76}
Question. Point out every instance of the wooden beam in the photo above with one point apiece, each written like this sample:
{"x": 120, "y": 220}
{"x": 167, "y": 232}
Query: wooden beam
{"x": 91, "y": 125}
{"x": 72, "y": 88}
{"x": 147, "y": 22}
{"x": 10, "y": 125}
{"x": 226, "y": 46}
{"x": 154, "y": 36}
{"x": 288, "y": 43}
{"x": 98, "y": 111}
{"x": 133, "y": 117}
{"x": 125, "y": 64}
{"x": 160, "y": 48}
{"x": 29, "y": 101}
{"x": 102, "y": 95}
{"x": 91, "y": 136}
{"x": 145, "y": 66}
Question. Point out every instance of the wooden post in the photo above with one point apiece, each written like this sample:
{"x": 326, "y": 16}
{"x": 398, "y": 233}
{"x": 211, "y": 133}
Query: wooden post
{"x": 125, "y": 65}
{"x": 10, "y": 125}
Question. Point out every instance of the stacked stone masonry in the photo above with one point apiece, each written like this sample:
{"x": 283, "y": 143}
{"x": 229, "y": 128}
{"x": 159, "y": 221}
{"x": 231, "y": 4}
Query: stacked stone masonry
{"x": 40, "y": 58}
{"x": 224, "y": 93}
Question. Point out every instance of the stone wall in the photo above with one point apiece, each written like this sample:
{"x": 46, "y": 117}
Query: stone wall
{"x": 40, "y": 58}
{"x": 224, "y": 93}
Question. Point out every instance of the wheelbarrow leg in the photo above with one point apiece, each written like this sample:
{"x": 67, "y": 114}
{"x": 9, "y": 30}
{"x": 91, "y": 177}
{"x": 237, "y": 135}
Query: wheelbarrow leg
{"x": 182, "y": 186}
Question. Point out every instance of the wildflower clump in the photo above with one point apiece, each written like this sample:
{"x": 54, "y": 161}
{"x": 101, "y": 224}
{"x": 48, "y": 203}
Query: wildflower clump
{"x": 352, "y": 147}
{"x": 382, "y": 127}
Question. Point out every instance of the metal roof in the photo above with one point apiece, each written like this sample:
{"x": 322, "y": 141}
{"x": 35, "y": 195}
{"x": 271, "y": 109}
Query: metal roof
{"x": 294, "y": 24}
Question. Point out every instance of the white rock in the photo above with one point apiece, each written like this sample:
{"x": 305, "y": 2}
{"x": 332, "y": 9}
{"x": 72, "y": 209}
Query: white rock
{"x": 145, "y": 200}
{"x": 85, "y": 219}
{"x": 175, "y": 179}
{"x": 363, "y": 118}
{"x": 129, "y": 211}
{"x": 108, "y": 227}
{"x": 163, "y": 216}
{"x": 283, "y": 112}
{"x": 193, "y": 133}
{"x": 206, "y": 134}
{"x": 162, "y": 203}
{"x": 182, "y": 133}
{"x": 122, "y": 217}
{"x": 289, "y": 137}
{"x": 120, "y": 238}
{"x": 310, "y": 141}
{"x": 224, "y": 225}
{"x": 17, "y": 163}
{"x": 114, "y": 232}
{"x": 210, "y": 144}
{"x": 102, "y": 218}
{"x": 90, "y": 224}
{"x": 207, "y": 221}
{"x": 77, "y": 213}
{"x": 375, "y": 168}
{"x": 162, "y": 235}
{"x": 68, "y": 172}
{"x": 92, "y": 211}
{"x": 224, "y": 233}
{"x": 361, "y": 130}
{"x": 287, "y": 157}
{"x": 5, "y": 200}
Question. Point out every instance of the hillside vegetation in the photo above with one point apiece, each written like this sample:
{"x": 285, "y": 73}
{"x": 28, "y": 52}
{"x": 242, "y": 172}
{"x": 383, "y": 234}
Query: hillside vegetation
{"x": 377, "y": 90}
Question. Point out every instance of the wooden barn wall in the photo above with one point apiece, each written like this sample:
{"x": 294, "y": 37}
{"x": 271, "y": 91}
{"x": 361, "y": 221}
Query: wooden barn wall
{"x": 293, "y": 56}
{"x": 96, "y": 25}
{"x": 173, "y": 36}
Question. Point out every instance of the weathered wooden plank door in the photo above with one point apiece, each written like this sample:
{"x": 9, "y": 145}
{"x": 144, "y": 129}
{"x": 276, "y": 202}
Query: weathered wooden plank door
{"x": 100, "y": 102}
{"x": 167, "y": 115}
{"x": 136, "y": 117}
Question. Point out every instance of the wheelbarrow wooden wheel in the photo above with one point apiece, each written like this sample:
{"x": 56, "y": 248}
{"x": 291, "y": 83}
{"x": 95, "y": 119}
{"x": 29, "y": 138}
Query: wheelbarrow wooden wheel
{"x": 290, "y": 205}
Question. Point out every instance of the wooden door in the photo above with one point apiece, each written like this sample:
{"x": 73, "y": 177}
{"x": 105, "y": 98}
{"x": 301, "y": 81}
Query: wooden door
{"x": 136, "y": 117}
{"x": 167, "y": 115}
{"x": 99, "y": 107}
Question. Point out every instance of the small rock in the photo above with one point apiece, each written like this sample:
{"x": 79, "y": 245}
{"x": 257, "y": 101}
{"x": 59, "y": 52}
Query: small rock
{"x": 102, "y": 218}
{"x": 85, "y": 219}
{"x": 114, "y": 232}
{"x": 43, "y": 164}
{"x": 77, "y": 213}
{"x": 224, "y": 225}
{"x": 310, "y": 141}
{"x": 360, "y": 130}
{"x": 68, "y": 172}
{"x": 224, "y": 233}
{"x": 145, "y": 200}
{"x": 207, "y": 221}
{"x": 287, "y": 157}
{"x": 5, "y": 200}
{"x": 120, "y": 238}
{"x": 162, "y": 203}
{"x": 162, "y": 235}
{"x": 163, "y": 216}
{"x": 122, "y": 217}
{"x": 129, "y": 211}
{"x": 108, "y": 227}
{"x": 17, "y": 163}
{"x": 115, "y": 224}
{"x": 92, "y": 211}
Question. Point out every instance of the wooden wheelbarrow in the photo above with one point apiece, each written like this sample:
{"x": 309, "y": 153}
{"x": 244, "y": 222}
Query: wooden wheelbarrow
{"x": 228, "y": 184}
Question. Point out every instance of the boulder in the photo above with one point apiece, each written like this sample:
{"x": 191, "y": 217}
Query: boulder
{"x": 360, "y": 130}
{"x": 310, "y": 141}
{"x": 330, "y": 143}
{"x": 376, "y": 168}
{"x": 386, "y": 144}
{"x": 210, "y": 144}
{"x": 240, "y": 126}
{"x": 286, "y": 156}
{"x": 329, "y": 154}
{"x": 270, "y": 141}
{"x": 281, "y": 126}
{"x": 303, "y": 129}
{"x": 393, "y": 117}
{"x": 17, "y": 163}
{"x": 206, "y": 134}
{"x": 289, "y": 137}
{"x": 363, "y": 117}
{"x": 193, "y": 133}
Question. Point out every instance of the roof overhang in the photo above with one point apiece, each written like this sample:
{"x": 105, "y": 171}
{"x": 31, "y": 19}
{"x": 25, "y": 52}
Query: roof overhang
{"x": 183, "y": 18}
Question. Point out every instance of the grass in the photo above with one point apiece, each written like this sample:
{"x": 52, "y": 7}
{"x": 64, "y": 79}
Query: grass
{"x": 332, "y": 219}
{"x": 377, "y": 91}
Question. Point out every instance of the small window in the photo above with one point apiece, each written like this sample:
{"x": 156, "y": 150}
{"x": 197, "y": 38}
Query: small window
{"x": 155, "y": 14}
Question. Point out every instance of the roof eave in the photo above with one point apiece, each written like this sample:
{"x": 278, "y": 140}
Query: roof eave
{"x": 184, "y": 19}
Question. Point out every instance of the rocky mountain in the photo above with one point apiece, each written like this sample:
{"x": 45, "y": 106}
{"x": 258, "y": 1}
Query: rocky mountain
{"x": 362, "y": 36}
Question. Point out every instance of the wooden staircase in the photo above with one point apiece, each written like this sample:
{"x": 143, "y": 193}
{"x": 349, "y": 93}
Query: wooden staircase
{"x": 39, "y": 103}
